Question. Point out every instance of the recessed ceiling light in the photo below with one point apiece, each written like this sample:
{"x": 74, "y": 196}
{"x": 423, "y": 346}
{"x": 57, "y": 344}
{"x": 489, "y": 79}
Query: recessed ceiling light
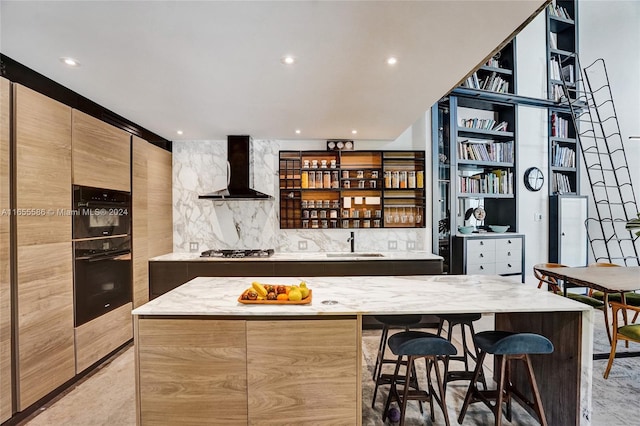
{"x": 298, "y": 131}
{"x": 354, "y": 132}
{"x": 392, "y": 60}
{"x": 288, "y": 60}
{"x": 179, "y": 132}
{"x": 70, "y": 61}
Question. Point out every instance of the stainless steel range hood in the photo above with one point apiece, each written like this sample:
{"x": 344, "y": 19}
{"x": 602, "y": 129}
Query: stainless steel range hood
{"x": 239, "y": 173}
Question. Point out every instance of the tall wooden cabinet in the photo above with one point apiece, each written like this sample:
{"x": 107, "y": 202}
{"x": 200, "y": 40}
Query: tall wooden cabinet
{"x": 96, "y": 143}
{"x": 44, "y": 291}
{"x": 5, "y": 277}
{"x": 152, "y": 227}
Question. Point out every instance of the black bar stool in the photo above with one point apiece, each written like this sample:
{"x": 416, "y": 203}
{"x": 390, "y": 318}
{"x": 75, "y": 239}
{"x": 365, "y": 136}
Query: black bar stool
{"x": 511, "y": 347}
{"x": 463, "y": 321}
{"x": 388, "y": 321}
{"x": 415, "y": 345}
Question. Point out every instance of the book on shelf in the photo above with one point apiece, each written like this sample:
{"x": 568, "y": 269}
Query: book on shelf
{"x": 557, "y": 93}
{"x": 484, "y": 124}
{"x": 499, "y": 181}
{"x": 485, "y": 150}
{"x": 568, "y": 73}
{"x": 559, "y": 126}
{"x": 558, "y": 11}
{"x": 492, "y": 83}
{"x": 554, "y": 69}
{"x": 562, "y": 156}
{"x": 560, "y": 183}
{"x": 553, "y": 40}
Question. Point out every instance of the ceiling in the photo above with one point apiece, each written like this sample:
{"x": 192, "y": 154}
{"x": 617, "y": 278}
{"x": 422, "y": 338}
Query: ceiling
{"x": 213, "y": 68}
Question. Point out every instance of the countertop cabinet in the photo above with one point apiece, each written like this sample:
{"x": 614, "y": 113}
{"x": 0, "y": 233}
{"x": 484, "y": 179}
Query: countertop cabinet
{"x": 352, "y": 189}
{"x": 498, "y": 254}
{"x": 44, "y": 291}
{"x": 101, "y": 154}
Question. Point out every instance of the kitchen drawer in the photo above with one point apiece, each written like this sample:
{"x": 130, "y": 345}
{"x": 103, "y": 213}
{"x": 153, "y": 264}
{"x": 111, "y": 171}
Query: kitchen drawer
{"x": 509, "y": 267}
{"x": 508, "y": 254}
{"x": 508, "y": 244}
{"x": 480, "y": 257}
{"x": 481, "y": 268}
{"x": 481, "y": 245}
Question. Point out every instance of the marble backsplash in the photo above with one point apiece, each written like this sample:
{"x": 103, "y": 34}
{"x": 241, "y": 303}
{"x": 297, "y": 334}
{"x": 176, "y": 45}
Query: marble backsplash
{"x": 199, "y": 167}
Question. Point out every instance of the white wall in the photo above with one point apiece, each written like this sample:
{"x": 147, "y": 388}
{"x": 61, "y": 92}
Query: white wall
{"x": 609, "y": 30}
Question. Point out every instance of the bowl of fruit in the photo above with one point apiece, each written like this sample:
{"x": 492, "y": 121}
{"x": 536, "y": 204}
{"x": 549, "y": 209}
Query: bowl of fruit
{"x": 279, "y": 294}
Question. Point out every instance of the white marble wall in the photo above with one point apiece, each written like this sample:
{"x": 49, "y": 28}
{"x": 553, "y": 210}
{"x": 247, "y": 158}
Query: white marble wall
{"x": 199, "y": 167}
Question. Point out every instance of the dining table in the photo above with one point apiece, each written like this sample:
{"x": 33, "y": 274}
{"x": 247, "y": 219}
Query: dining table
{"x": 618, "y": 280}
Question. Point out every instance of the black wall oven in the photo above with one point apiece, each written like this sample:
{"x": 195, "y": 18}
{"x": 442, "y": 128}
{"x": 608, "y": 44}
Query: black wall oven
{"x": 100, "y": 212}
{"x": 102, "y": 278}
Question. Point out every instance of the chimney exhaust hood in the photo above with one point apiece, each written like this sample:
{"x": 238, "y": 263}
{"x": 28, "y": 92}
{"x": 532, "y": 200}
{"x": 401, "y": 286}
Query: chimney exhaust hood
{"x": 239, "y": 173}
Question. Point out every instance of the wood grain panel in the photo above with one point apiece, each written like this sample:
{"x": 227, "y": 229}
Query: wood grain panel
{"x": 45, "y": 320}
{"x": 98, "y": 143}
{"x": 43, "y": 167}
{"x": 139, "y": 231}
{"x": 97, "y": 338}
{"x": 191, "y": 372}
{"x": 558, "y": 373}
{"x": 160, "y": 205}
{"x": 5, "y": 277}
{"x": 303, "y": 363}
{"x": 45, "y": 355}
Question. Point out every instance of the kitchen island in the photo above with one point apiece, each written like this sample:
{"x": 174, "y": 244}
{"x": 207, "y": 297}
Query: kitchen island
{"x": 205, "y": 358}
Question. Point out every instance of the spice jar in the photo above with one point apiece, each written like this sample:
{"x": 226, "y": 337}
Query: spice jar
{"x": 327, "y": 180}
{"x": 412, "y": 180}
{"x": 318, "y": 179}
{"x": 304, "y": 180}
{"x": 387, "y": 179}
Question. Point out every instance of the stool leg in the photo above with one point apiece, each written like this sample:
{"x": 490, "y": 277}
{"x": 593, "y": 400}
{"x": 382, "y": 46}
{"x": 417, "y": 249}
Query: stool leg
{"x": 475, "y": 358}
{"x": 536, "y": 394}
{"x": 393, "y": 392}
{"x": 429, "y": 364}
{"x": 442, "y": 392}
{"x": 472, "y": 387}
{"x": 405, "y": 391}
{"x": 377, "y": 370}
{"x": 381, "y": 349}
{"x": 508, "y": 387}
{"x": 498, "y": 407}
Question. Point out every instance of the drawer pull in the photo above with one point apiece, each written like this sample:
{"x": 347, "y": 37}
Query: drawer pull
{"x": 481, "y": 255}
{"x": 481, "y": 243}
{"x": 508, "y": 241}
{"x": 509, "y": 265}
{"x": 508, "y": 253}
{"x": 481, "y": 267}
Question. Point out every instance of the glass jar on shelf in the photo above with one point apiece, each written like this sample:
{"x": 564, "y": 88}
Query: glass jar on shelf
{"x": 411, "y": 179}
{"x": 335, "y": 181}
{"x": 420, "y": 179}
{"x": 387, "y": 179}
{"x": 304, "y": 180}
{"x": 319, "y": 179}
{"x": 327, "y": 180}
{"x": 403, "y": 179}
{"x": 395, "y": 179}
{"x": 312, "y": 180}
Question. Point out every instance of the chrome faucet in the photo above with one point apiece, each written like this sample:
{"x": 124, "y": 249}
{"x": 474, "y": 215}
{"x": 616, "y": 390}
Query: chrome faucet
{"x": 352, "y": 240}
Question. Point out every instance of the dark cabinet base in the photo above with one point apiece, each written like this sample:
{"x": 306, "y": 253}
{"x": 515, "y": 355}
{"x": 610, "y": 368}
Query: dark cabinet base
{"x": 167, "y": 275}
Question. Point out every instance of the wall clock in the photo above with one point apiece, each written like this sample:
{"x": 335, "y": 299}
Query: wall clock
{"x": 533, "y": 179}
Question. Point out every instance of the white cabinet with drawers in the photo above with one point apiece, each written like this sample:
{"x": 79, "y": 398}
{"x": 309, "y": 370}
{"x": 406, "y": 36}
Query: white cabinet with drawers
{"x": 489, "y": 254}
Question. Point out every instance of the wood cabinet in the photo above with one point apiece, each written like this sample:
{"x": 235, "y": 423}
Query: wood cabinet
{"x": 44, "y": 290}
{"x": 351, "y": 189}
{"x": 191, "y": 371}
{"x": 102, "y": 335}
{"x": 489, "y": 255}
{"x": 5, "y": 269}
{"x": 101, "y": 154}
{"x": 248, "y": 371}
{"x": 152, "y": 221}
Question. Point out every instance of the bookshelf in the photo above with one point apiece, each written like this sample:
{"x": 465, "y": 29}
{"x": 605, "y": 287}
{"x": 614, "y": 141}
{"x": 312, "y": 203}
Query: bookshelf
{"x": 497, "y": 75}
{"x": 475, "y": 163}
{"x": 562, "y": 45}
{"x": 563, "y": 154}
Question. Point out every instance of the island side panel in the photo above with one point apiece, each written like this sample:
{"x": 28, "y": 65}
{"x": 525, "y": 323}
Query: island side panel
{"x": 191, "y": 371}
{"x": 304, "y": 371}
{"x": 558, "y": 374}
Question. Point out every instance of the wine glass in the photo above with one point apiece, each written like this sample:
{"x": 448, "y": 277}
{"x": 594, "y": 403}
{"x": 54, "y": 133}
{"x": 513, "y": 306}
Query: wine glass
{"x": 396, "y": 216}
{"x": 403, "y": 218}
{"x": 411, "y": 216}
{"x": 419, "y": 216}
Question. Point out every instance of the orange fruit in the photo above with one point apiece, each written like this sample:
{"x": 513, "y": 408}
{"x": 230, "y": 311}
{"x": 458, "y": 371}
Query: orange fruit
{"x": 283, "y": 296}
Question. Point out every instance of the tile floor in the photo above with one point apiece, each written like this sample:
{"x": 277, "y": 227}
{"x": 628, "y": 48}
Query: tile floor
{"x": 106, "y": 397}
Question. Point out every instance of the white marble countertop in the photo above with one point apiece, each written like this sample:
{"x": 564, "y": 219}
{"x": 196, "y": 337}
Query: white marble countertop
{"x": 303, "y": 256}
{"x": 366, "y": 295}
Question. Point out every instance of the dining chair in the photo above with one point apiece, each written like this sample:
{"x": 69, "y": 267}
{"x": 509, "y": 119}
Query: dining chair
{"x": 627, "y": 333}
{"x": 631, "y": 298}
{"x": 555, "y": 286}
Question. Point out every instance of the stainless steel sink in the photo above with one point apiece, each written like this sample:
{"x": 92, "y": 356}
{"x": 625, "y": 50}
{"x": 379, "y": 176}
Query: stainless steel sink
{"x": 355, "y": 255}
